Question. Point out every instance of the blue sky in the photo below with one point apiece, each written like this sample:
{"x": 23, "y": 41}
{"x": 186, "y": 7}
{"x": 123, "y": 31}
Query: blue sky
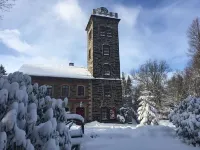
{"x": 53, "y": 31}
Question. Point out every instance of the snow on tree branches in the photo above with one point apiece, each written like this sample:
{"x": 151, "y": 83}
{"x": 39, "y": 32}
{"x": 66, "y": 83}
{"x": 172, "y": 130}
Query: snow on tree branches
{"x": 147, "y": 113}
{"x": 186, "y": 118}
{"x": 28, "y": 118}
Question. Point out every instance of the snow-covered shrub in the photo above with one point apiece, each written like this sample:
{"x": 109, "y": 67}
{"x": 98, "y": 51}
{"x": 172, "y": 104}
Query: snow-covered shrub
{"x": 28, "y": 118}
{"x": 147, "y": 112}
{"x": 186, "y": 118}
{"x": 126, "y": 115}
{"x": 120, "y": 118}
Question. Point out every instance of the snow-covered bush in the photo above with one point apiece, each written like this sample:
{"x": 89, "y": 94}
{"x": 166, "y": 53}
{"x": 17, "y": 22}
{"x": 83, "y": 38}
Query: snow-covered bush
{"x": 126, "y": 115}
{"x": 186, "y": 118}
{"x": 147, "y": 112}
{"x": 28, "y": 118}
{"x": 120, "y": 118}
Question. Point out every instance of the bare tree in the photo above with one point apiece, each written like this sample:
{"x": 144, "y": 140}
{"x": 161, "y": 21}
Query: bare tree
{"x": 194, "y": 51}
{"x": 6, "y": 5}
{"x": 194, "y": 36}
{"x": 153, "y": 76}
{"x": 176, "y": 90}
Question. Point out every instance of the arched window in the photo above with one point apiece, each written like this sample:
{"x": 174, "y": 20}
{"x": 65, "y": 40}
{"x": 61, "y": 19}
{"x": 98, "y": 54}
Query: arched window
{"x": 106, "y": 68}
{"x": 81, "y": 90}
{"x": 106, "y": 50}
{"x": 65, "y": 91}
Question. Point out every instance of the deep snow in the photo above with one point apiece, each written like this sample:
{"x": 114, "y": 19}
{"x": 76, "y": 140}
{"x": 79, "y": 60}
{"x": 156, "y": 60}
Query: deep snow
{"x": 102, "y": 136}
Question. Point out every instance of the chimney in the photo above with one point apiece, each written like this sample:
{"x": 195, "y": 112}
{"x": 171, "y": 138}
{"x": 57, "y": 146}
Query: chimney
{"x": 71, "y": 64}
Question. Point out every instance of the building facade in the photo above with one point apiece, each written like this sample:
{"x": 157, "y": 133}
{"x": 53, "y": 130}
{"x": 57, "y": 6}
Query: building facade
{"x": 94, "y": 92}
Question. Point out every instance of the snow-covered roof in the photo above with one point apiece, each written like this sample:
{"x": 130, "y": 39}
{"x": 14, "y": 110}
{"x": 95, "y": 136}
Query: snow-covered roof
{"x": 56, "y": 71}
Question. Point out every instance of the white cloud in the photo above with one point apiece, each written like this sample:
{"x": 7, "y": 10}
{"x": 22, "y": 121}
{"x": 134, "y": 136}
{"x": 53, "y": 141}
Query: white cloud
{"x": 71, "y": 12}
{"x": 128, "y": 15}
{"x": 56, "y": 28}
{"x": 11, "y": 38}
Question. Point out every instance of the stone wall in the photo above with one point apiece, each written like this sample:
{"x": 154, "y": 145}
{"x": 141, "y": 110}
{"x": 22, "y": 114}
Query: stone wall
{"x": 99, "y": 100}
{"x": 74, "y": 100}
{"x": 95, "y": 65}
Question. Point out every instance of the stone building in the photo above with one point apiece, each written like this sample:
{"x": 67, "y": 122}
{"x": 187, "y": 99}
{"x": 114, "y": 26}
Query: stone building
{"x": 94, "y": 92}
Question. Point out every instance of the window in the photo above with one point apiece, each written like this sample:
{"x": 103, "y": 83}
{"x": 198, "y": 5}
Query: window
{"x": 102, "y": 31}
{"x": 81, "y": 90}
{"x": 109, "y": 32}
{"x": 104, "y": 113}
{"x": 49, "y": 91}
{"x": 107, "y": 91}
{"x": 112, "y": 113}
{"x": 89, "y": 54}
{"x": 106, "y": 70}
{"x": 106, "y": 50}
{"x": 65, "y": 90}
{"x": 90, "y": 34}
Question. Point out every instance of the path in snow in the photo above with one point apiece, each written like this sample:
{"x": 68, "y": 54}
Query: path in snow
{"x": 129, "y": 137}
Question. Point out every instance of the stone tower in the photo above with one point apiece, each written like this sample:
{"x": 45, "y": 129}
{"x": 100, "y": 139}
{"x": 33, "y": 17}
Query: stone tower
{"x": 104, "y": 64}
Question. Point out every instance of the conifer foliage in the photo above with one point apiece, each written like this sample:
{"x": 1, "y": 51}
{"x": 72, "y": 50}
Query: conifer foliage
{"x": 2, "y": 70}
{"x": 28, "y": 118}
{"x": 147, "y": 113}
{"x": 186, "y": 118}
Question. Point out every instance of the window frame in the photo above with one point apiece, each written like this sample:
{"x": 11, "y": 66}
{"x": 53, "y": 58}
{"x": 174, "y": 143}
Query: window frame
{"x": 103, "y": 49}
{"x": 89, "y": 53}
{"x": 62, "y": 90}
{"x": 90, "y": 35}
{"x": 106, "y": 93}
{"x": 106, "y": 68}
{"x": 104, "y": 112}
{"x": 52, "y": 90}
{"x": 109, "y": 32}
{"x": 83, "y": 91}
{"x": 102, "y": 31}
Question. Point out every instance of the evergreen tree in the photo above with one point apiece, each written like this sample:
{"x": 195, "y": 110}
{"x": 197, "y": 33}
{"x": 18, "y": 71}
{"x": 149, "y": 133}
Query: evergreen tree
{"x": 147, "y": 113}
{"x": 186, "y": 118}
{"x": 123, "y": 84}
{"x": 2, "y": 70}
{"x": 128, "y": 89}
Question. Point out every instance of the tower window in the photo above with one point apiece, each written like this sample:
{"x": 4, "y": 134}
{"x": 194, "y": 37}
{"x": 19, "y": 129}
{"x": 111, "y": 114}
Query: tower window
{"x": 104, "y": 113}
{"x": 107, "y": 91}
{"x": 106, "y": 70}
{"x": 106, "y": 50}
{"x": 65, "y": 90}
{"x": 109, "y": 33}
{"x": 81, "y": 90}
{"x": 90, "y": 34}
{"x": 102, "y": 31}
{"x": 89, "y": 53}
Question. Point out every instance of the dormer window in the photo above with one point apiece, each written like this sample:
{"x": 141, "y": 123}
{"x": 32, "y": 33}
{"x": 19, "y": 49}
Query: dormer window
{"x": 106, "y": 50}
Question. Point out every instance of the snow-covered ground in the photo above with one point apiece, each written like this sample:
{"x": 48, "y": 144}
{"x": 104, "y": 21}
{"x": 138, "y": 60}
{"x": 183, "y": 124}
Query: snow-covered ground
{"x": 104, "y": 136}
